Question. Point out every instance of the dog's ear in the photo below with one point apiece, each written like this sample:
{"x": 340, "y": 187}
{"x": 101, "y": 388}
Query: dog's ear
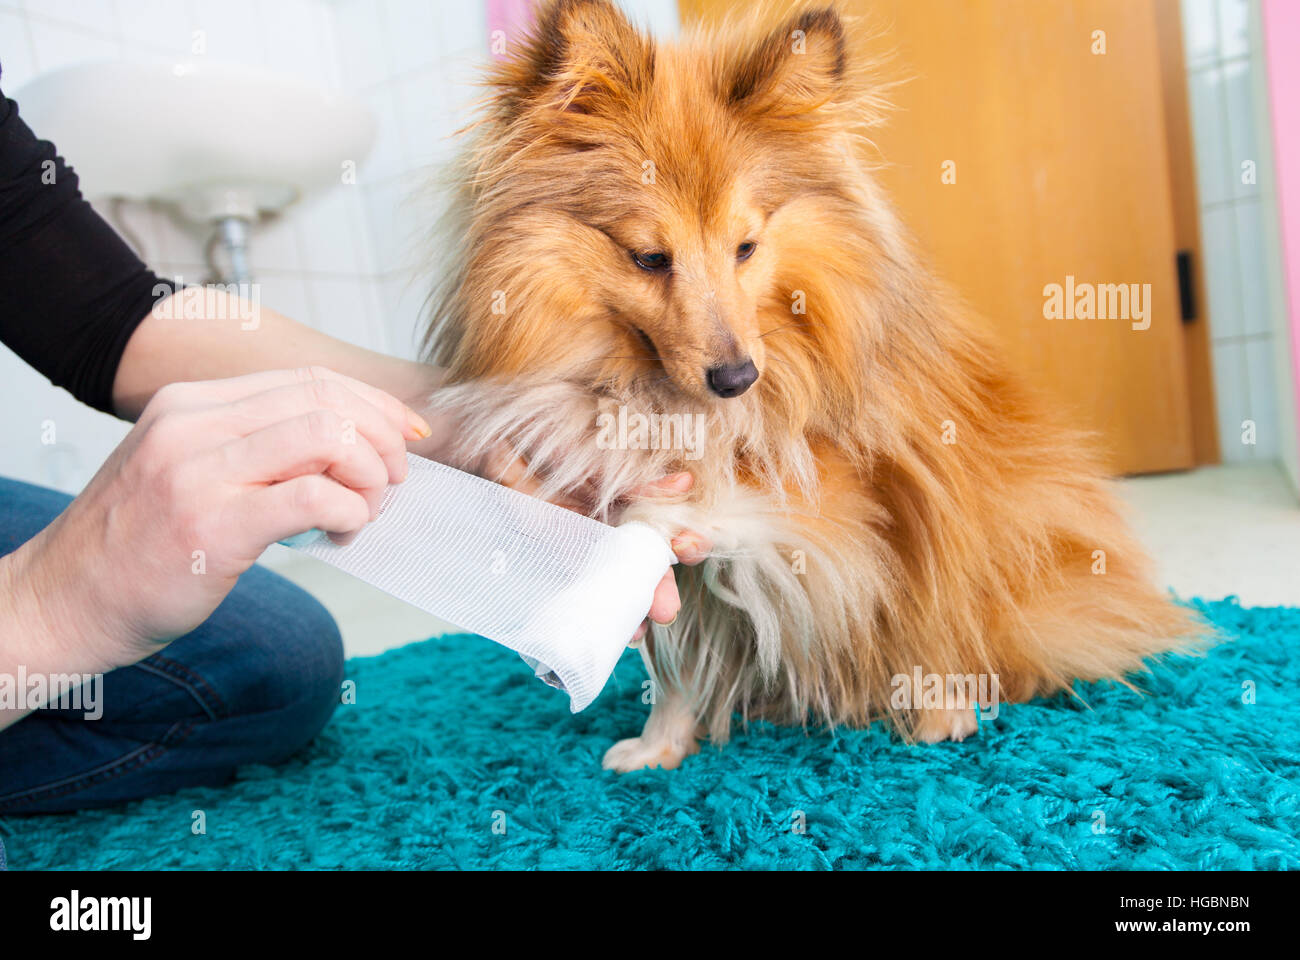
{"x": 581, "y": 56}
{"x": 793, "y": 70}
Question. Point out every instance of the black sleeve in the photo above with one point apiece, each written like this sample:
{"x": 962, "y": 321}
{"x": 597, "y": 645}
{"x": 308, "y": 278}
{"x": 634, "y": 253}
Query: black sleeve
{"x": 71, "y": 291}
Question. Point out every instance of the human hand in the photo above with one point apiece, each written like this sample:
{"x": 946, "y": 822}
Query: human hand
{"x": 212, "y": 474}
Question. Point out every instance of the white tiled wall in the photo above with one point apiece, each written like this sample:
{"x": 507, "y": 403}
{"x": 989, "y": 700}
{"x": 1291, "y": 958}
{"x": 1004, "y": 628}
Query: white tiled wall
{"x": 350, "y": 261}
{"x": 314, "y": 265}
{"x": 1230, "y": 130}
{"x": 413, "y": 63}
{"x": 321, "y": 263}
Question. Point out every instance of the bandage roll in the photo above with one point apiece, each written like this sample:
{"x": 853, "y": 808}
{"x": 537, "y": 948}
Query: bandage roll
{"x": 563, "y": 591}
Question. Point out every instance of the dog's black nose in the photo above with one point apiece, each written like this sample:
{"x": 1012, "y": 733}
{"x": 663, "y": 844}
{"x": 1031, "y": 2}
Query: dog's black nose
{"x": 733, "y": 380}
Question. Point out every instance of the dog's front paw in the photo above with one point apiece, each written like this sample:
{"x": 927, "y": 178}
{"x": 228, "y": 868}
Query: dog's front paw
{"x": 637, "y": 753}
{"x": 936, "y": 726}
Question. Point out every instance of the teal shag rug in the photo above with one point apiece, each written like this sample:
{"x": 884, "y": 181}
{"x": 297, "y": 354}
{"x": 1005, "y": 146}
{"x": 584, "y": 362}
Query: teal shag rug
{"x": 453, "y": 756}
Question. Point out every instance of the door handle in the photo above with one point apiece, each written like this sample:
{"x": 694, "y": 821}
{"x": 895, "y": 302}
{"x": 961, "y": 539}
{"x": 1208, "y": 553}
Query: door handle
{"x": 1186, "y": 295}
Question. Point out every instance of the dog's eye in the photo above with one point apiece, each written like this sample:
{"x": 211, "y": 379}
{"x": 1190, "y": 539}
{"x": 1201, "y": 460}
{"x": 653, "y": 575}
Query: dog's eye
{"x": 652, "y": 261}
{"x": 746, "y": 250}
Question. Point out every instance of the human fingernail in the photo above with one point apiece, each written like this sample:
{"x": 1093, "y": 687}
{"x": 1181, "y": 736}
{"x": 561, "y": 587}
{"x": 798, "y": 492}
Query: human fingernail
{"x": 419, "y": 424}
{"x": 685, "y": 546}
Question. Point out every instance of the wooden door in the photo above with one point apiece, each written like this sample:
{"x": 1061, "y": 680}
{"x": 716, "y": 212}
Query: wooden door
{"x": 1058, "y": 152}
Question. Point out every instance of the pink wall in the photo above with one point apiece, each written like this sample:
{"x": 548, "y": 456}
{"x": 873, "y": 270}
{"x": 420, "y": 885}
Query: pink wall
{"x": 509, "y": 16}
{"x": 1282, "y": 47}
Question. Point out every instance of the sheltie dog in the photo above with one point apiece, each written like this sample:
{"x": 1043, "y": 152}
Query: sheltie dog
{"x": 687, "y": 237}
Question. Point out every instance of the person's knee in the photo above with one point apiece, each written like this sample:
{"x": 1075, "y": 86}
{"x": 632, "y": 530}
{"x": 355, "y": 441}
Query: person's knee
{"x": 253, "y": 685}
{"x": 308, "y": 669}
{"x": 273, "y": 656}
{"x": 317, "y": 675}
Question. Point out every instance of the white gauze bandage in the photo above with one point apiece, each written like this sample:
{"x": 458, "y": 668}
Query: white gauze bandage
{"x": 563, "y": 591}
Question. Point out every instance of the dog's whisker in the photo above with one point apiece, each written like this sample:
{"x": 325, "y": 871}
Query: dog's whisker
{"x": 784, "y": 326}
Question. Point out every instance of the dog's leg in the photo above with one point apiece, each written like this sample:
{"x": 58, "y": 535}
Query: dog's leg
{"x": 668, "y": 738}
{"x": 938, "y": 724}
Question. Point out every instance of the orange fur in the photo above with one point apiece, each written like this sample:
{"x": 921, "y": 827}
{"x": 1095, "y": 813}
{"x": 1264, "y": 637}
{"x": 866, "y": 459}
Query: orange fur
{"x": 852, "y": 543}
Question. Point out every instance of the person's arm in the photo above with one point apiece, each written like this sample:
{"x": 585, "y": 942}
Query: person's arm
{"x": 211, "y": 474}
{"x": 227, "y": 336}
{"x": 71, "y": 290}
{"x": 203, "y": 333}
{"x": 34, "y": 639}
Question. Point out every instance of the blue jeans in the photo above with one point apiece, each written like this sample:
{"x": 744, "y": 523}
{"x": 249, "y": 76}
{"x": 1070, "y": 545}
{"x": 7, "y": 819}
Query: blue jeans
{"x": 253, "y": 684}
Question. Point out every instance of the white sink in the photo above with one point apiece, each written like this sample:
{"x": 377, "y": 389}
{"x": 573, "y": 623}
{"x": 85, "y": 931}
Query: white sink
{"x": 220, "y": 140}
